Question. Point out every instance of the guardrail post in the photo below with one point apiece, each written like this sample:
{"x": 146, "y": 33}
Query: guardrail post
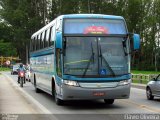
{"x": 142, "y": 78}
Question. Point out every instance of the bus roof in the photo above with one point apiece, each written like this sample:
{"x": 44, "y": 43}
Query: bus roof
{"x": 77, "y": 16}
{"x": 92, "y": 16}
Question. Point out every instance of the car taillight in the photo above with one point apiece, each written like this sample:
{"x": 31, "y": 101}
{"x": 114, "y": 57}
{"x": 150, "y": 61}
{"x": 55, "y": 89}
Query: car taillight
{"x": 21, "y": 74}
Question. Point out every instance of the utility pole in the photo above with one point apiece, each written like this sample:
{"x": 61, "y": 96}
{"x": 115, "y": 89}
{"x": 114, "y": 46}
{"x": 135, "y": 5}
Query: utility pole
{"x": 89, "y": 8}
{"x": 60, "y": 10}
{"x": 157, "y": 54}
{"x": 27, "y": 54}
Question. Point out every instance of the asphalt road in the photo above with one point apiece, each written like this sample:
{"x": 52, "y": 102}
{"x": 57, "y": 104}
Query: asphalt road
{"x": 137, "y": 103}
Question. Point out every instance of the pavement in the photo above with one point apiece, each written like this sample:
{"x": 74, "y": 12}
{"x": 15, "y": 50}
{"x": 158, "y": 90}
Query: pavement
{"x": 14, "y": 100}
{"x": 11, "y": 101}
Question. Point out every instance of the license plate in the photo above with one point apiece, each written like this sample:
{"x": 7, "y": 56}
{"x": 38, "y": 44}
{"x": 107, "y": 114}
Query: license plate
{"x": 98, "y": 93}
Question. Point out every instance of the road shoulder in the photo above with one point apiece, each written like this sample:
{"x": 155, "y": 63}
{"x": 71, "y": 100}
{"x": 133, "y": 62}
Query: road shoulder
{"x": 139, "y": 86}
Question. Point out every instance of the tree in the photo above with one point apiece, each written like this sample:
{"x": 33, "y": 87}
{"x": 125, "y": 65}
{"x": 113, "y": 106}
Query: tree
{"x": 25, "y": 19}
{"x": 6, "y": 32}
{"x": 6, "y": 49}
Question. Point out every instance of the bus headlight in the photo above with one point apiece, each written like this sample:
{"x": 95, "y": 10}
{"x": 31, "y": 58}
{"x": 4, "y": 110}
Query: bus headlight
{"x": 124, "y": 82}
{"x": 71, "y": 83}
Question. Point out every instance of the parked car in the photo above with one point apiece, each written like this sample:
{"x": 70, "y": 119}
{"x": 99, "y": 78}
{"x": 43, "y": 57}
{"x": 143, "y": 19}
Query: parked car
{"x": 153, "y": 88}
{"x": 14, "y": 70}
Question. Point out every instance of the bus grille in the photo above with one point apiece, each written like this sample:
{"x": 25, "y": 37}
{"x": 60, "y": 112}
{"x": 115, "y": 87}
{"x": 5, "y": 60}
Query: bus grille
{"x": 98, "y": 85}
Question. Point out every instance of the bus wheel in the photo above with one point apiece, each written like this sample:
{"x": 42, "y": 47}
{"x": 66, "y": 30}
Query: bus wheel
{"x": 109, "y": 101}
{"x": 35, "y": 86}
{"x": 57, "y": 100}
{"x": 37, "y": 90}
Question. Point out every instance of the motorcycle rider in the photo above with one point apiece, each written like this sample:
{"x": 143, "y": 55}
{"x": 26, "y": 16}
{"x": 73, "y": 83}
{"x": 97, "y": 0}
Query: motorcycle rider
{"x": 21, "y": 68}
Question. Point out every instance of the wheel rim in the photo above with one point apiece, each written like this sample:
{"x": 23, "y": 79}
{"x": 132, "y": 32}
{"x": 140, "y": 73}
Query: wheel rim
{"x": 148, "y": 93}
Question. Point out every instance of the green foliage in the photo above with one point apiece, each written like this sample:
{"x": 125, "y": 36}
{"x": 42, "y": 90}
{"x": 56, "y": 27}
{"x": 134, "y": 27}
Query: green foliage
{"x": 24, "y": 17}
{"x": 6, "y": 49}
{"x": 6, "y": 33}
{"x": 144, "y": 72}
{"x": 4, "y": 69}
{"x": 24, "y": 21}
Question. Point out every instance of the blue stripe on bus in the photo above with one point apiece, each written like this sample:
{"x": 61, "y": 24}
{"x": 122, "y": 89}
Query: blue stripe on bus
{"x": 123, "y": 77}
{"x": 42, "y": 52}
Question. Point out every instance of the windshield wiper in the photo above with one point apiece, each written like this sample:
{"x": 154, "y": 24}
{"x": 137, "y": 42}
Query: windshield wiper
{"x": 125, "y": 46}
{"x": 90, "y": 60}
{"x": 102, "y": 57}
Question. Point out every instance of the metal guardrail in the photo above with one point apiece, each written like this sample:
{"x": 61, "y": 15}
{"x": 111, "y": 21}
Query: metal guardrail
{"x": 142, "y": 78}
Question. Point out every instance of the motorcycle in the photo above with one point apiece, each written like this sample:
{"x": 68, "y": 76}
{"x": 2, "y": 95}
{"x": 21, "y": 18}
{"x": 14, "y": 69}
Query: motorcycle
{"x": 21, "y": 78}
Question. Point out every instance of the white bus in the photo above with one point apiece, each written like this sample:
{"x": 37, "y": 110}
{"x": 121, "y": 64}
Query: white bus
{"x": 83, "y": 56}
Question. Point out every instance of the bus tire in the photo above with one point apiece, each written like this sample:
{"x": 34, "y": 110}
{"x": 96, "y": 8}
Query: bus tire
{"x": 35, "y": 86}
{"x": 109, "y": 101}
{"x": 57, "y": 100}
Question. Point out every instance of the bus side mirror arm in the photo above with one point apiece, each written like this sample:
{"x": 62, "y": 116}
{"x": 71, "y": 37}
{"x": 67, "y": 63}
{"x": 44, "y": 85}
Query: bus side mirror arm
{"x": 59, "y": 40}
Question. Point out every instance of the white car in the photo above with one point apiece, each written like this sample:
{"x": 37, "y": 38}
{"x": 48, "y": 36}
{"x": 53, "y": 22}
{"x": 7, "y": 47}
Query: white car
{"x": 14, "y": 70}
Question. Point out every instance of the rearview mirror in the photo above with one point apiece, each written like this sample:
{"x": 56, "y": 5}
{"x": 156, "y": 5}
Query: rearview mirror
{"x": 136, "y": 42}
{"x": 59, "y": 40}
{"x": 154, "y": 79}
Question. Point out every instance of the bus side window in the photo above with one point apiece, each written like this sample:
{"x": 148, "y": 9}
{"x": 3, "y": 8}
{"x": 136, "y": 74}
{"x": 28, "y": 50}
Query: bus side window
{"x": 38, "y": 42}
{"x": 44, "y": 40}
{"x": 35, "y": 43}
{"x": 47, "y": 38}
{"x": 58, "y": 63}
{"x": 43, "y": 34}
{"x": 52, "y": 35}
{"x": 40, "y": 46}
{"x": 50, "y": 31}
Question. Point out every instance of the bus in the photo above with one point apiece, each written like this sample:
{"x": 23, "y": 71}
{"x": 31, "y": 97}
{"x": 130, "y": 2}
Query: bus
{"x": 83, "y": 57}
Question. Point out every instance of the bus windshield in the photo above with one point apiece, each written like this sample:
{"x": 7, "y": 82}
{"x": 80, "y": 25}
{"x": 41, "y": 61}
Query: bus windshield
{"x": 95, "y": 56}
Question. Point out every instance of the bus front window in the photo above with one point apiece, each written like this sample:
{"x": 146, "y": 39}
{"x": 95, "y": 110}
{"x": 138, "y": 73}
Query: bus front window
{"x": 95, "y": 56}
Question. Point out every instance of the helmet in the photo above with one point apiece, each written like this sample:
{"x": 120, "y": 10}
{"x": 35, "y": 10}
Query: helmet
{"x": 21, "y": 65}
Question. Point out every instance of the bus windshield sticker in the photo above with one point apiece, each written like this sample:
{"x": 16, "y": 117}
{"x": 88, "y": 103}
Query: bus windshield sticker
{"x": 102, "y": 72}
{"x": 95, "y": 30}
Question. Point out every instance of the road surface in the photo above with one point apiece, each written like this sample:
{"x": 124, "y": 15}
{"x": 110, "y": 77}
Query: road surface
{"x": 137, "y": 103}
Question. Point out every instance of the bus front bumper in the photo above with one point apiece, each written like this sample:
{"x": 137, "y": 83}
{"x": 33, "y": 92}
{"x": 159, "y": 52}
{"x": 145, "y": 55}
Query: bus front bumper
{"x": 79, "y": 93}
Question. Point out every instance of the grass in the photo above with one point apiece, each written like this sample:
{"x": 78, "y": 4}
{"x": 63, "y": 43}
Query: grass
{"x": 144, "y": 72}
{"x": 144, "y": 81}
{"x": 138, "y": 81}
{"x": 4, "y": 69}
